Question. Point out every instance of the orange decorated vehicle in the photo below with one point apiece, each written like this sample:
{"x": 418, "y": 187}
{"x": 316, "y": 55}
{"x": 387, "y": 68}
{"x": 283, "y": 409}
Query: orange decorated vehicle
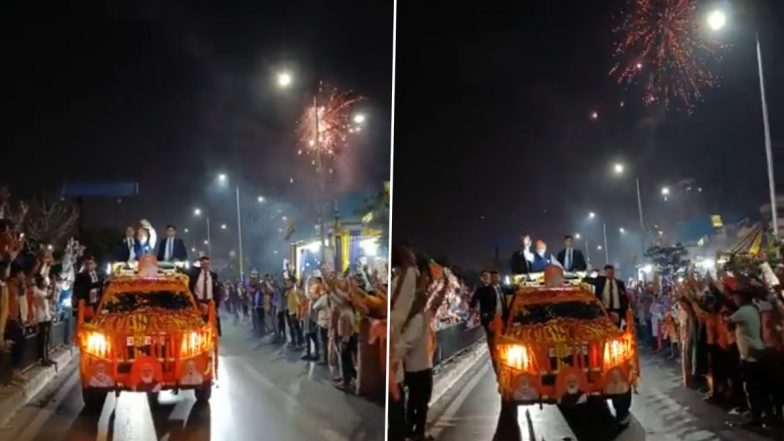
{"x": 146, "y": 334}
{"x": 560, "y": 346}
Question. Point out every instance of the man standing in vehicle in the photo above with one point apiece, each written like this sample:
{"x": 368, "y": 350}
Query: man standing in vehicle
{"x": 205, "y": 288}
{"x": 611, "y": 292}
{"x": 571, "y": 259}
{"x": 172, "y": 249}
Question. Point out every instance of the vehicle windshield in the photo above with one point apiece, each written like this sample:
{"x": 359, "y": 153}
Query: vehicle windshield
{"x": 133, "y": 301}
{"x": 544, "y": 312}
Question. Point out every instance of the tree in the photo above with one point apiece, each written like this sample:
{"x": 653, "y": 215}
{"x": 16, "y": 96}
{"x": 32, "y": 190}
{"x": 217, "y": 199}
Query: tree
{"x": 51, "y": 220}
{"x": 669, "y": 260}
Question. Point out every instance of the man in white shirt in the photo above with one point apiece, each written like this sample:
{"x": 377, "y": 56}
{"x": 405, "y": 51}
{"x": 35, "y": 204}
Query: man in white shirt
{"x": 611, "y": 292}
{"x": 570, "y": 258}
{"x": 126, "y": 250}
{"x": 205, "y": 288}
{"x": 172, "y": 248}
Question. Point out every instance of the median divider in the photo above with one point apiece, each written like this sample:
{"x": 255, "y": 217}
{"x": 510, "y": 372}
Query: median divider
{"x": 459, "y": 348}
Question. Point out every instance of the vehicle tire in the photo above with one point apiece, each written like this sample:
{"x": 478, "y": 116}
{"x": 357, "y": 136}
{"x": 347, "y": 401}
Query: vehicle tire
{"x": 203, "y": 393}
{"x": 622, "y": 404}
{"x": 93, "y": 399}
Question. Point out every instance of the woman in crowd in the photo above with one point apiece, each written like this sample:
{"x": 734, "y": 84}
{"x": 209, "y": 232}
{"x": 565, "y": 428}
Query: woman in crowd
{"x": 43, "y": 296}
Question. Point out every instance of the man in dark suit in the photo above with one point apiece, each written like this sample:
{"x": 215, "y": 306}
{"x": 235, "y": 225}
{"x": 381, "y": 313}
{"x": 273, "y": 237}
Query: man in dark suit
{"x": 611, "y": 292}
{"x": 88, "y": 284}
{"x": 520, "y": 264}
{"x": 492, "y": 301}
{"x": 204, "y": 286}
{"x": 571, "y": 259}
{"x": 126, "y": 248}
{"x": 172, "y": 248}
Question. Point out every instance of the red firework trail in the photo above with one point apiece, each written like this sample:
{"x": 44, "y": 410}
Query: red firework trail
{"x": 326, "y": 122}
{"x": 664, "y": 48}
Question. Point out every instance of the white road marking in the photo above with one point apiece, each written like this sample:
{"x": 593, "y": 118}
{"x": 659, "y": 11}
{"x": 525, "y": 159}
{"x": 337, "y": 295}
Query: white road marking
{"x": 295, "y": 406}
{"x": 454, "y": 406}
{"x": 44, "y": 414}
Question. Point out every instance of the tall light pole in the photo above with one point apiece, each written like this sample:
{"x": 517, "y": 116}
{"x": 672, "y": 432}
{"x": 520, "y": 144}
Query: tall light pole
{"x": 197, "y": 212}
{"x": 223, "y": 180}
{"x": 591, "y": 216}
{"x": 619, "y": 168}
{"x": 717, "y": 19}
{"x": 320, "y": 196}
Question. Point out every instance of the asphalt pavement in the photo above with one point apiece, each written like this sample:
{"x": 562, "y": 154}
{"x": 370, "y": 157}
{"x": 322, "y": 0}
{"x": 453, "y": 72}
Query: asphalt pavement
{"x": 661, "y": 411}
{"x": 264, "y": 392}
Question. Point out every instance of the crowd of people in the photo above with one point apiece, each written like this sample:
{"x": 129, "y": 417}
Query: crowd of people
{"x": 727, "y": 332}
{"x": 35, "y": 290}
{"x": 319, "y": 315}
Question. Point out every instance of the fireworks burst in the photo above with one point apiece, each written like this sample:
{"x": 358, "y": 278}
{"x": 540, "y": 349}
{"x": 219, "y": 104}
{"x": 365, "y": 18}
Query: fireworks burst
{"x": 328, "y": 122}
{"x": 663, "y": 47}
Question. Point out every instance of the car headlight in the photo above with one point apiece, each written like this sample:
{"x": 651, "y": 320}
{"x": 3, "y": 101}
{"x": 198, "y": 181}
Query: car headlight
{"x": 515, "y": 356}
{"x": 617, "y": 351}
{"x": 96, "y": 344}
{"x": 194, "y": 343}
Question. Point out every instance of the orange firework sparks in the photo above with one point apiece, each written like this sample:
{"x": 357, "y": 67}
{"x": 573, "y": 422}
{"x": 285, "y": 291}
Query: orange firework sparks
{"x": 664, "y": 49}
{"x": 327, "y": 122}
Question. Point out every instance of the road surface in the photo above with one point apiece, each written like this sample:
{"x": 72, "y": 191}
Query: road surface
{"x": 264, "y": 392}
{"x": 663, "y": 411}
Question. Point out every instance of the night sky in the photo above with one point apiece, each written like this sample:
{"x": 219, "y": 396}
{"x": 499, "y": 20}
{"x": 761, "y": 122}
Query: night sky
{"x": 493, "y": 135}
{"x": 170, "y": 93}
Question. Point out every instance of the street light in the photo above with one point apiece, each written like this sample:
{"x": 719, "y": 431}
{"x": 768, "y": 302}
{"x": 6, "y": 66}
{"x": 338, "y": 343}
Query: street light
{"x": 187, "y": 231}
{"x": 284, "y": 79}
{"x": 208, "y": 242}
{"x": 224, "y": 180}
{"x": 717, "y": 20}
{"x": 359, "y": 118}
{"x": 577, "y": 236}
{"x": 260, "y": 199}
{"x": 622, "y": 230}
{"x": 619, "y": 168}
{"x": 592, "y": 215}
{"x": 223, "y": 226}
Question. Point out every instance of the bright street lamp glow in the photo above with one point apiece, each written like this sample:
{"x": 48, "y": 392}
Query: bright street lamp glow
{"x": 223, "y": 226}
{"x": 197, "y": 211}
{"x": 206, "y": 242}
{"x": 577, "y": 235}
{"x": 222, "y": 177}
{"x": 260, "y": 199}
{"x": 717, "y": 20}
{"x": 665, "y": 191}
{"x": 621, "y": 230}
{"x": 618, "y": 168}
{"x": 599, "y": 247}
{"x": 592, "y": 215}
{"x": 187, "y": 231}
{"x": 284, "y": 79}
{"x": 359, "y": 118}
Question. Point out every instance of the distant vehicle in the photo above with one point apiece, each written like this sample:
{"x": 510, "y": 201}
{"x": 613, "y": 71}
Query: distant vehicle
{"x": 146, "y": 334}
{"x": 560, "y": 346}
